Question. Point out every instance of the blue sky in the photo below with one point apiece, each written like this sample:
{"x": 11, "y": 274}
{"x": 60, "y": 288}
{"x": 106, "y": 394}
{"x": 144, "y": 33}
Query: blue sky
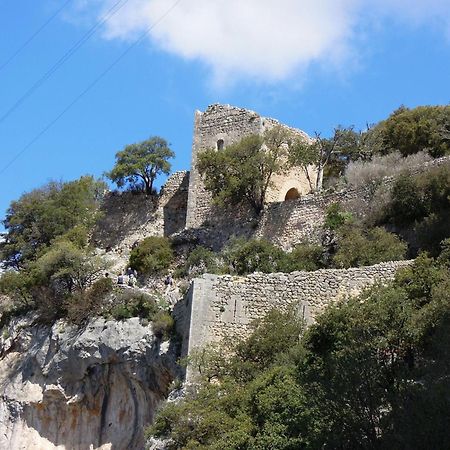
{"x": 311, "y": 64}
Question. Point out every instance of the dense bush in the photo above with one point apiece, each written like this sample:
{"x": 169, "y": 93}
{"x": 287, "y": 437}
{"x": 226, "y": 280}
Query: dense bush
{"x": 336, "y": 216}
{"x": 419, "y": 204}
{"x": 413, "y": 130}
{"x": 163, "y": 324}
{"x": 152, "y": 255}
{"x": 307, "y": 257}
{"x": 201, "y": 260}
{"x": 358, "y": 247}
{"x": 131, "y": 303}
{"x": 40, "y": 216}
{"x": 254, "y": 255}
{"x": 372, "y": 373}
{"x": 57, "y": 284}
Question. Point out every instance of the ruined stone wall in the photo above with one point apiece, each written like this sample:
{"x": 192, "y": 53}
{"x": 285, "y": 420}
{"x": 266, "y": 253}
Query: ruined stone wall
{"x": 129, "y": 217}
{"x": 289, "y": 223}
{"x": 218, "y": 127}
{"x": 173, "y": 202}
{"x": 221, "y": 306}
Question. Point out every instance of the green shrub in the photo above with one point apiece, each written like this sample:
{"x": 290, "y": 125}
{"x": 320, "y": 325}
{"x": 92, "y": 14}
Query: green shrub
{"x": 359, "y": 248}
{"x": 201, "y": 260}
{"x": 131, "y": 303}
{"x": 336, "y": 216}
{"x": 152, "y": 255}
{"x": 254, "y": 256}
{"x": 306, "y": 257}
{"x": 163, "y": 324}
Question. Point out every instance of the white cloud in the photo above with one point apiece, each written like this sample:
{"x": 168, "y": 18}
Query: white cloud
{"x": 269, "y": 40}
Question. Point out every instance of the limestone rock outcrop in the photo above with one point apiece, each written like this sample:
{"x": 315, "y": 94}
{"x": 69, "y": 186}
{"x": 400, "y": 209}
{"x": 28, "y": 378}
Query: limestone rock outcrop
{"x": 95, "y": 387}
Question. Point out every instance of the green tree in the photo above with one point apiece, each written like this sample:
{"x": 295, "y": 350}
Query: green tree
{"x": 319, "y": 152}
{"x": 243, "y": 171}
{"x": 413, "y": 130}
{"x": 139, "y": 164}
{"x": 152, "y": 255}
{"x": 38, "y": 217}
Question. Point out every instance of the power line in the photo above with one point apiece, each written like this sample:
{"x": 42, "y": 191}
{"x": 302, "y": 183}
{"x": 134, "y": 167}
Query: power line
{"x": 35, "y": 34}
{"x": 113, "y": 10}
{"x": 89, "y": 87}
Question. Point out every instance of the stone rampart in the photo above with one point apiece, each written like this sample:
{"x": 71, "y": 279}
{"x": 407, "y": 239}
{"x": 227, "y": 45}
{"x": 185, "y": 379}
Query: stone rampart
{"x": 222, "y": 306}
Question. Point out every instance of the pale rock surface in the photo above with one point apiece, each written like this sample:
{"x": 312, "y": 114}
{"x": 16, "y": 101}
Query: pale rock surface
{"x": 92, "y": 388}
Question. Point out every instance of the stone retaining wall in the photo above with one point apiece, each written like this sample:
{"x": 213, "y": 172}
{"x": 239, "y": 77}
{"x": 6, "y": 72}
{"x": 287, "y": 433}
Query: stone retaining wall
{"x": 222, "y": 306}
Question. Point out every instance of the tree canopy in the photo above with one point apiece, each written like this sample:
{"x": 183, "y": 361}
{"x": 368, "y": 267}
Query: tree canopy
{"x": 319, "y": 152}
{"x": 413, "y": 130}
{"x": 139, "y": 164}
{"x": 39, "y": 216}
{"x": 243, "y": 170}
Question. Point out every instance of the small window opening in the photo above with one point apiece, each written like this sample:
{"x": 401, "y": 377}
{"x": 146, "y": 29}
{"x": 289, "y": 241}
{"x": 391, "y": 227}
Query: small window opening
{"x": 220, "y": 144}
{"x": 292, "y": 194}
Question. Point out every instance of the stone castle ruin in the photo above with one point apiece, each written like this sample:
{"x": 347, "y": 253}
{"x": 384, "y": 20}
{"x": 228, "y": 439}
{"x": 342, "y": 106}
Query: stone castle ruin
{"x": 220, "y": 126}
{"x": 65, "y": 386}
{"x": 216, "y": 306}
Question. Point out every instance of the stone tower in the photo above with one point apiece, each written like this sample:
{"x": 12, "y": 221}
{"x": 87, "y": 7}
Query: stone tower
{"x": 218, "y": 127}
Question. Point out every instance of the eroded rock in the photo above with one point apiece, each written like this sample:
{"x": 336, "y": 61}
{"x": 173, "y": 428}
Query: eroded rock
{"x": 90, "y": 388}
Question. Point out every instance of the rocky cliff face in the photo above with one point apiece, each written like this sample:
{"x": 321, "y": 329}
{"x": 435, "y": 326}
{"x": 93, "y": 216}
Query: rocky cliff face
{"x": 91, "y": 388}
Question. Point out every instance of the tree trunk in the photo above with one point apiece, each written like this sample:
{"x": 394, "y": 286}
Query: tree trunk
{"x": 148, "y": 186}
{"x": 319, "y": 180}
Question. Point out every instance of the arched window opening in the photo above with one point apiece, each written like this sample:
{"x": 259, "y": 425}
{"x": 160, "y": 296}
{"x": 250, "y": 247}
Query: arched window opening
{"x": 292, "y": 194}
{"x": 220, "y": 144}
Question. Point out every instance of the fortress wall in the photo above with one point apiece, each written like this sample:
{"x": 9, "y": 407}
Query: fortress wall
{"x": 289, "y": 223}
{"x": 173, "y": 202}
{"x": 130, "y": 217}
{"x": 228, "y": 124}
{"x": 218, "y": 122}
{"x": 223, "y": 306}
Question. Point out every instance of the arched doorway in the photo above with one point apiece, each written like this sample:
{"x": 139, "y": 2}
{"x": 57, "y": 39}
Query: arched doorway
{"x": 220, "y": 144}
{"x": 292, "y": 194}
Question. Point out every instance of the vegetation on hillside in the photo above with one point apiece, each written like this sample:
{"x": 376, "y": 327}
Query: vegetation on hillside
{"x": 40, "y": 216}
{"x": 372, "y": 373}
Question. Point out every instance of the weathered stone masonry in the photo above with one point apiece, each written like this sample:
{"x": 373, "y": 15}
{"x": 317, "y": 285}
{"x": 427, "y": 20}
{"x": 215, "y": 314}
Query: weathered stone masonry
{"x": 218, "y": 127}
{"x": 220, "y": 306}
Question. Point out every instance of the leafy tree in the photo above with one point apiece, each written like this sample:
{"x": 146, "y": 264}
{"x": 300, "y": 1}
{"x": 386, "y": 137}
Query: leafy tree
{"x": 319, "y": 153}
{"x": 38, "y": 217}
{"x": 413, "y": 130}
{"x": 243, "y": 171}
{"x": 139, "y": 164}
{"x": 152, "y": 255}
